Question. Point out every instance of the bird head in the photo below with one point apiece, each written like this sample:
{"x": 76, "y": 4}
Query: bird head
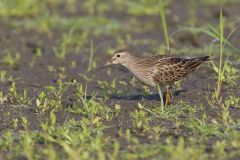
{"x": 120, "y": 57}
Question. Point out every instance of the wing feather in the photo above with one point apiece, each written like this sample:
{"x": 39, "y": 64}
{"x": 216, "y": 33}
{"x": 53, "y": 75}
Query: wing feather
{"x": 170, "y": 69}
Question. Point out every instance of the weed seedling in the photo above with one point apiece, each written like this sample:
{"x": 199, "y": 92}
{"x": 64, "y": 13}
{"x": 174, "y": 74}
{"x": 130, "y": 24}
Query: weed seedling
{"x": 52, "y": 100}
{"x": 22, "y": 98}
{"x": 3, "y": 75}
{"x": 10, "y": 59}
{"x": 3, "y": 98}
{"x": 15, "y": 123}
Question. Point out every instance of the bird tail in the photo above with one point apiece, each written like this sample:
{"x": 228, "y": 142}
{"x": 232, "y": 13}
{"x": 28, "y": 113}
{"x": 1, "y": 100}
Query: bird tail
{"x": 194, "y": 63}
{"x": 202, "y": 59}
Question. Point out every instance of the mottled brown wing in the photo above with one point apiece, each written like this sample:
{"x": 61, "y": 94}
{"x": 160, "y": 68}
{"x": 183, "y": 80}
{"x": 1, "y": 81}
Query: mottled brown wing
{"x": 171, "y": 69}
{"x": 151, "y": 61}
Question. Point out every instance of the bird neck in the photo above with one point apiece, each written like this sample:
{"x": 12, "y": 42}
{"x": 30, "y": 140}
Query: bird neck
{"x": 132, "y": 64}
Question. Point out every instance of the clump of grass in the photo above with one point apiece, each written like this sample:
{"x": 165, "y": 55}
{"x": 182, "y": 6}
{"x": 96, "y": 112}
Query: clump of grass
{"x": 70, "y": 42}
{"x": 3, "y": 76}
{"x": 109, "y": 88}
{"x": 51, "y": 100}
{"x": 15, "y": 96}
{"x": 230, "y": 74}
{"x": 29, "y": 8}
{"x": 202, "y": 126}
{"x": 10, "y": 58}
{"x": 89, "y": 107}
{"x": 139, "y": 117}
{"x": 3, "y": 98}
{"x": 20, "y": 8}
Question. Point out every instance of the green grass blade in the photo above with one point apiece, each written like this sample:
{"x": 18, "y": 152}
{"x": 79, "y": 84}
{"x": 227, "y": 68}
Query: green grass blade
{"x": 164, "y": 24}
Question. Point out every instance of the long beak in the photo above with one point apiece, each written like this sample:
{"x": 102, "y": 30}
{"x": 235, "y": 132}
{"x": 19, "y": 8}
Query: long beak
{"x": 105, "y": 65}
{"x": 108, "y": 63}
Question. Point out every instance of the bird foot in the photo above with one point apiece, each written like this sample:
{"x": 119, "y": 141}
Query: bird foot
{"x": 168, "y": 97}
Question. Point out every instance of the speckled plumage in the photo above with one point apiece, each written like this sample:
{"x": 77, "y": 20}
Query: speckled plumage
{"x": 158, "y": 69}
{"x": 167, "y": 69}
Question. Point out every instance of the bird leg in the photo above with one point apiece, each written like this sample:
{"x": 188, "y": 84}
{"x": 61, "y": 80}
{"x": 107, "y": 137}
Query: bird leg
{"x": 170, "y": 91}
{"x": 169, "y": 95}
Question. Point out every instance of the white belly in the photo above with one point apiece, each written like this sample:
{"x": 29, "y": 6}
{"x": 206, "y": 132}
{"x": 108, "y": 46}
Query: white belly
{"x": 145, "y": 78}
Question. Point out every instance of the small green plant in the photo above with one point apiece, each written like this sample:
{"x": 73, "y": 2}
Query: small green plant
{"x": 27, "y": 141}
{"x": 203, "y": 127}
{"x": 139, "y": 119}
{"x": 171, "y": 112}
{"x": 3, "y": 75}
{"x": 59, "y": 73}
{"x": 62, "y": 73}
{"x": 229, "y": 73}
{"x": 225, "y": 117}
{"x": 117, "y": 108}
{"x": 219, "y": 150}
{"x": 37, "y": 54}
{"x": 70, "y": 42}
{"x": 233, "y": 101}
{"x": 90, "y": 6}
{"x": 52, "y": 100}
{"x": 51, "y": 69}
{"x": 21, "y": 8}
{"x": 142, "y": 8}
{"x": 61, "y": 50}
{"x": 109, "y": 88}
{"x": 179, "y": 151}
{"x": 10, "y": 59}
{"x": 89, "y": 107}
{"x": 42, "y": 103}
{"x": 7, "y": 140}
{"x": 3, "y": 98}
{"x": 15, "y": 123}
{"x": 14, "y": 96}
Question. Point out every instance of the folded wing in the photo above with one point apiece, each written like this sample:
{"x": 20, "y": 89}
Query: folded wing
{"x": 170, "y": 69}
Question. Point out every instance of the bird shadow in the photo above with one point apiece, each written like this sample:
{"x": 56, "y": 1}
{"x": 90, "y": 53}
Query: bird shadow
{"x": 138, "y": 96}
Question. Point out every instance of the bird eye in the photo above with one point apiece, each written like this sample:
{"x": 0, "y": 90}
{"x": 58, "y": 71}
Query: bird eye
{"x": 118, "y": 55}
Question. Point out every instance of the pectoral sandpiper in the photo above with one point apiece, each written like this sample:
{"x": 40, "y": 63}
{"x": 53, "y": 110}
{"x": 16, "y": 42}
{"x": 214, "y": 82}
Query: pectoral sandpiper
{"x": 157, "y": 69}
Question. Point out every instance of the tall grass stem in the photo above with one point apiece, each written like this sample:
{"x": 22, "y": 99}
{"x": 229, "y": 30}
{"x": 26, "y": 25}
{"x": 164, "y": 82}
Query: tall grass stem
{"x": 161, "y": 98}
{"x": 221, "y": 29}
{"x": 164, "y": 24}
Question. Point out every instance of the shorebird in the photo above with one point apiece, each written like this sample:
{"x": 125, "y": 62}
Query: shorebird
{"x": 157, "y": 69}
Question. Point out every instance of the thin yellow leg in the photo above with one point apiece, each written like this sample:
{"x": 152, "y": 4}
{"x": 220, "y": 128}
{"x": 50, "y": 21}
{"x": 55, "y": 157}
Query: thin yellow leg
{"x": 170, "y": 92}
{"x": 169, "y": 95}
